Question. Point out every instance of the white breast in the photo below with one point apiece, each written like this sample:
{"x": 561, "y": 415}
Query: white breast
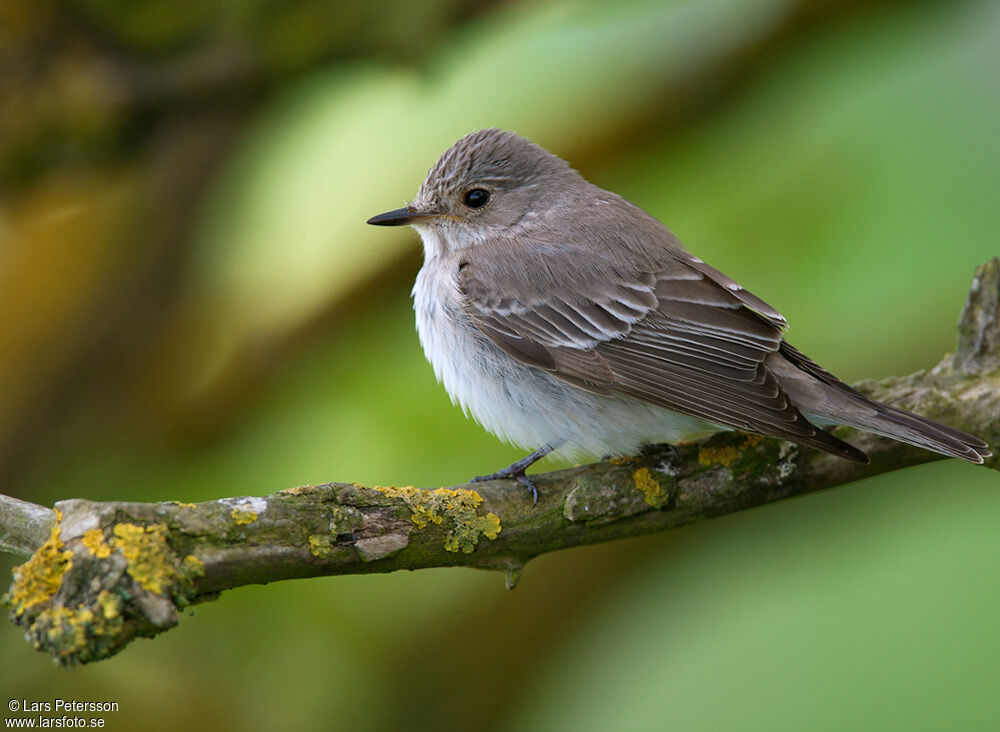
{"x": 488, "y": 384}
{"x": 521, "y": 404}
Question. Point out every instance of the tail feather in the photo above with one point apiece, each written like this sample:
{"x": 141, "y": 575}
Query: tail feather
{"x": 833, "y": 445}
{"x": 922, "y": 432}
{"x": 846, "y": 405}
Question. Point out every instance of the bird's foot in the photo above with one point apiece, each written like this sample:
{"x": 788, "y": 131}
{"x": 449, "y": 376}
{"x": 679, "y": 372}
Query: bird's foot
{"x": 511, "y": 472}
{"x": 516, "y": 470}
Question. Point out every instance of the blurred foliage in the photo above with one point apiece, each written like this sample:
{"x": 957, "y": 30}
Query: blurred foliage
{"x": 191, "y": 307}
{"x": 85, "y": 80}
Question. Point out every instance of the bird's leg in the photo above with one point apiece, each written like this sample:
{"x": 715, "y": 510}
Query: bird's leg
{"x": 516, "y": 470}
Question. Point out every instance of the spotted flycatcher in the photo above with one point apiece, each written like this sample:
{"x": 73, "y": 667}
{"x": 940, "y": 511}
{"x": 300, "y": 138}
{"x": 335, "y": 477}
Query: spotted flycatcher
{"x": 564, "y": 319}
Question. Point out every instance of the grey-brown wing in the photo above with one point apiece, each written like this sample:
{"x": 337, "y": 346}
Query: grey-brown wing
{"x": 683, "y": 337}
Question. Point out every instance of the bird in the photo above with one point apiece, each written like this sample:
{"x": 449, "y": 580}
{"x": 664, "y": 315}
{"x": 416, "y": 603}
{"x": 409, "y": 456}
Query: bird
{"x": 568, "y": 321}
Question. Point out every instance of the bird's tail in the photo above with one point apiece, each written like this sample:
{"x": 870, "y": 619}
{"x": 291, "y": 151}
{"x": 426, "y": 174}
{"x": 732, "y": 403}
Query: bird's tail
{"x": 922, "y": 432}
{"x": 843, "y": 404}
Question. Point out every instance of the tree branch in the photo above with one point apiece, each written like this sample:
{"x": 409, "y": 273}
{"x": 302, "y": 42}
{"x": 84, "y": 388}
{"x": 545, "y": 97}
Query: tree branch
{"x": 23, "y": 526}
{"x": 108, "y": 572}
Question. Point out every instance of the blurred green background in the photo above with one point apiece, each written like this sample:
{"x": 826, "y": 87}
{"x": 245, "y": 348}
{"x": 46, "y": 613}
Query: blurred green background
{"x": 192, "y": 307}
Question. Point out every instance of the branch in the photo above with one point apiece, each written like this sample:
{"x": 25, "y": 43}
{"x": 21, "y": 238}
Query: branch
{"x": 109, "y": 572}
{"x": 23, "y": 526}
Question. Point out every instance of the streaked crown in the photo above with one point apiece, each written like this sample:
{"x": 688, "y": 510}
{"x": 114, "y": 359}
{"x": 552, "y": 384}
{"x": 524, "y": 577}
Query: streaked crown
{"x": 489, "y": 157}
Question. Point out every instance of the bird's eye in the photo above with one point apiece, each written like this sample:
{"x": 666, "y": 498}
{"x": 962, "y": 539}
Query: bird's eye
{"x": 477, "y": 198}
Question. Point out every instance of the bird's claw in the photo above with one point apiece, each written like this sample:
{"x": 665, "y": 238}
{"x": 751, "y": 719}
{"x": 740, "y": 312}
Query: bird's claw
{"x": 530, "y": 485}
{"x": 505, "y": 474}
{"x": 516, "y": 470}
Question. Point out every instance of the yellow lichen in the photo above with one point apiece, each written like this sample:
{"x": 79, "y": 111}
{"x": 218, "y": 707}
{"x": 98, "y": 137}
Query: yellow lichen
{"x": 319, "y": 545}
{"x": 459, "y": 505}
{"x": 94, "y": 629}
{"x": 62, "y": 628}
{"x": 40, "y": 577}
{"x": 94, "y": 541}
{"x": 184, "y": 505}
{"x": 724, "y": 456}
{"x": 243, "y": 515}
{"x": 619, "y": 460}
{"x": 298, "y": 490}
{"x": 110, "y": 605}
{"x": 192, "y": 567}
{"x": 491, "y": 526}
{"x": 650, "y": 486}
{"x": 150, "y": 561}
{"x": 79, "y": 634}
{"x": 488, "y": 526}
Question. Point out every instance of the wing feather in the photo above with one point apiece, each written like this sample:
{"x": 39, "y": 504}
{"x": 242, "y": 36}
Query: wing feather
{"x": 679, "y": 334}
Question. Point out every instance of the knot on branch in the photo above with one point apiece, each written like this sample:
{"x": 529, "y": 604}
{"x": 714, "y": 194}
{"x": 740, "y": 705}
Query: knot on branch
{"x": 979, "y": 325}
{"x": 95, "y": 585}
{"x": 111, "y": 572}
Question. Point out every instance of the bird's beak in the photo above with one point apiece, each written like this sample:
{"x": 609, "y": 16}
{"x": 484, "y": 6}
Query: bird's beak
{"x": 399, "y": 217}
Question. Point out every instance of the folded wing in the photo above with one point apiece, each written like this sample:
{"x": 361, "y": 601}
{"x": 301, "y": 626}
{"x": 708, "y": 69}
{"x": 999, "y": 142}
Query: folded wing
{"x": 678, "y": 334}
